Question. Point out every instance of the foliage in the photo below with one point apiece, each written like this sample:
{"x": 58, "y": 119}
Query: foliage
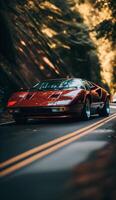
{"x": 48, "y": 39}
{"x": 107, "y": 28}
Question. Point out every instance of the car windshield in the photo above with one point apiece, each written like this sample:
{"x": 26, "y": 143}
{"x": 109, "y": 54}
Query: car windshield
{"x": 57, "y": 85}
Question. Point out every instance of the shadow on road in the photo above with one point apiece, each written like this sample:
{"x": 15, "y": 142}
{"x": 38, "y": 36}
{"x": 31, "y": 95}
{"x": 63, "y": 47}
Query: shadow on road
{"x": 95, "y": 179}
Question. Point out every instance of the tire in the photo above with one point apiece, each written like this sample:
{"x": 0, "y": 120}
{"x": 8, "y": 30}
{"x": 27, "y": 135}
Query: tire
{"x": 86, "y": 113}
{"x": 20, "y": 120}
{"x": 105, "y": 111}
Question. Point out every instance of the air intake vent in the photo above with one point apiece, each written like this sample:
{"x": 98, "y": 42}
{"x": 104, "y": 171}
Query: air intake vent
{"x": 29, "y": 96}
{"x": 55, "y": 95}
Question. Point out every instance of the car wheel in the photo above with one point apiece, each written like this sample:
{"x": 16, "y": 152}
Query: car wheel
{"x": 86, "y": 113}
{"x": 20, "y": 120}
{"x": 105, "y": 111}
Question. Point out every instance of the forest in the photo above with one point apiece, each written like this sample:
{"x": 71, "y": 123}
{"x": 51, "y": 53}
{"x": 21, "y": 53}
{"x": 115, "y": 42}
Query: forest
{"x": 43, "y": 39}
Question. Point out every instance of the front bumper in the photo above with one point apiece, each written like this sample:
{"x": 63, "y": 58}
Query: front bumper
{"x": 45, "y": 112}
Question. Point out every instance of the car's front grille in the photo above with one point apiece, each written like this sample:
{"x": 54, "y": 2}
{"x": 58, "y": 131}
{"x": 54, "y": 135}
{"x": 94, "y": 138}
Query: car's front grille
{"x": 35, "y": 111}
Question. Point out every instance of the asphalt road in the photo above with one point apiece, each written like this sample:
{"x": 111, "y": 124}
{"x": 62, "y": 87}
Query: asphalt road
{"x": 79, "y": 163}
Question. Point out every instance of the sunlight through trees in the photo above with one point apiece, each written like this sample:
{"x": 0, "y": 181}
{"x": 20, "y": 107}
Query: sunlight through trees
{"x": 42, "y": 39}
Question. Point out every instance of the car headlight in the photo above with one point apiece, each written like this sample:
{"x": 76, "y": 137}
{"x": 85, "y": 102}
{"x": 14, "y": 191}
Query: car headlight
{"x": 11, "y": 103}
{"x": 16, "y": 110}
{"x": 55, "y": 109}
{"x": 10, "y": 111}
{"x": 60, "y": 103}
{"x": 60, "y": 109}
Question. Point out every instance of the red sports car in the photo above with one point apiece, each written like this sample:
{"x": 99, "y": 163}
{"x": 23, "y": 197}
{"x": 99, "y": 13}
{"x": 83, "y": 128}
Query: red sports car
{"x": 59, "y": 98}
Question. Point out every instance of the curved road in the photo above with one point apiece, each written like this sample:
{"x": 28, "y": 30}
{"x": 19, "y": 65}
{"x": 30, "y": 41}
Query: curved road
{"x": 55, "y": 159}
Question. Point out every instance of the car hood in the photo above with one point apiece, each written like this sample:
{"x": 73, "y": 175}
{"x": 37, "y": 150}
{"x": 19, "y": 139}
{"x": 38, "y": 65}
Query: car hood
{"x": 43, "y": 98}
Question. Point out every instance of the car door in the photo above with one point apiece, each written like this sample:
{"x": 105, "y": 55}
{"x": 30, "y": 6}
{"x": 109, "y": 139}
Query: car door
{"x": 96, "y": 95}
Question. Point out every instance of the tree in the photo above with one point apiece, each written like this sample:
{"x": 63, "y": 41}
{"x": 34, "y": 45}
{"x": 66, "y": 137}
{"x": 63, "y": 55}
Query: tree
{"x": 107, "y": 28}
{"x": 49, "y": 39}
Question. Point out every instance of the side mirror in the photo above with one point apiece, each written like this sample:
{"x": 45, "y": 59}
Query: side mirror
{"x": 92, "y": 87}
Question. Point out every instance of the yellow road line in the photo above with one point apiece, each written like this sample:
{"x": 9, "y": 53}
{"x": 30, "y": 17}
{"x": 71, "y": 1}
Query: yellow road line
{"x": 39, "y": 155}
{"x": 46, "y": 145}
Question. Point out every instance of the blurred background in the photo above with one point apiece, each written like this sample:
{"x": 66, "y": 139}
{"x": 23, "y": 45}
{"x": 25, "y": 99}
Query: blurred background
{"x": 43, "y": 39}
